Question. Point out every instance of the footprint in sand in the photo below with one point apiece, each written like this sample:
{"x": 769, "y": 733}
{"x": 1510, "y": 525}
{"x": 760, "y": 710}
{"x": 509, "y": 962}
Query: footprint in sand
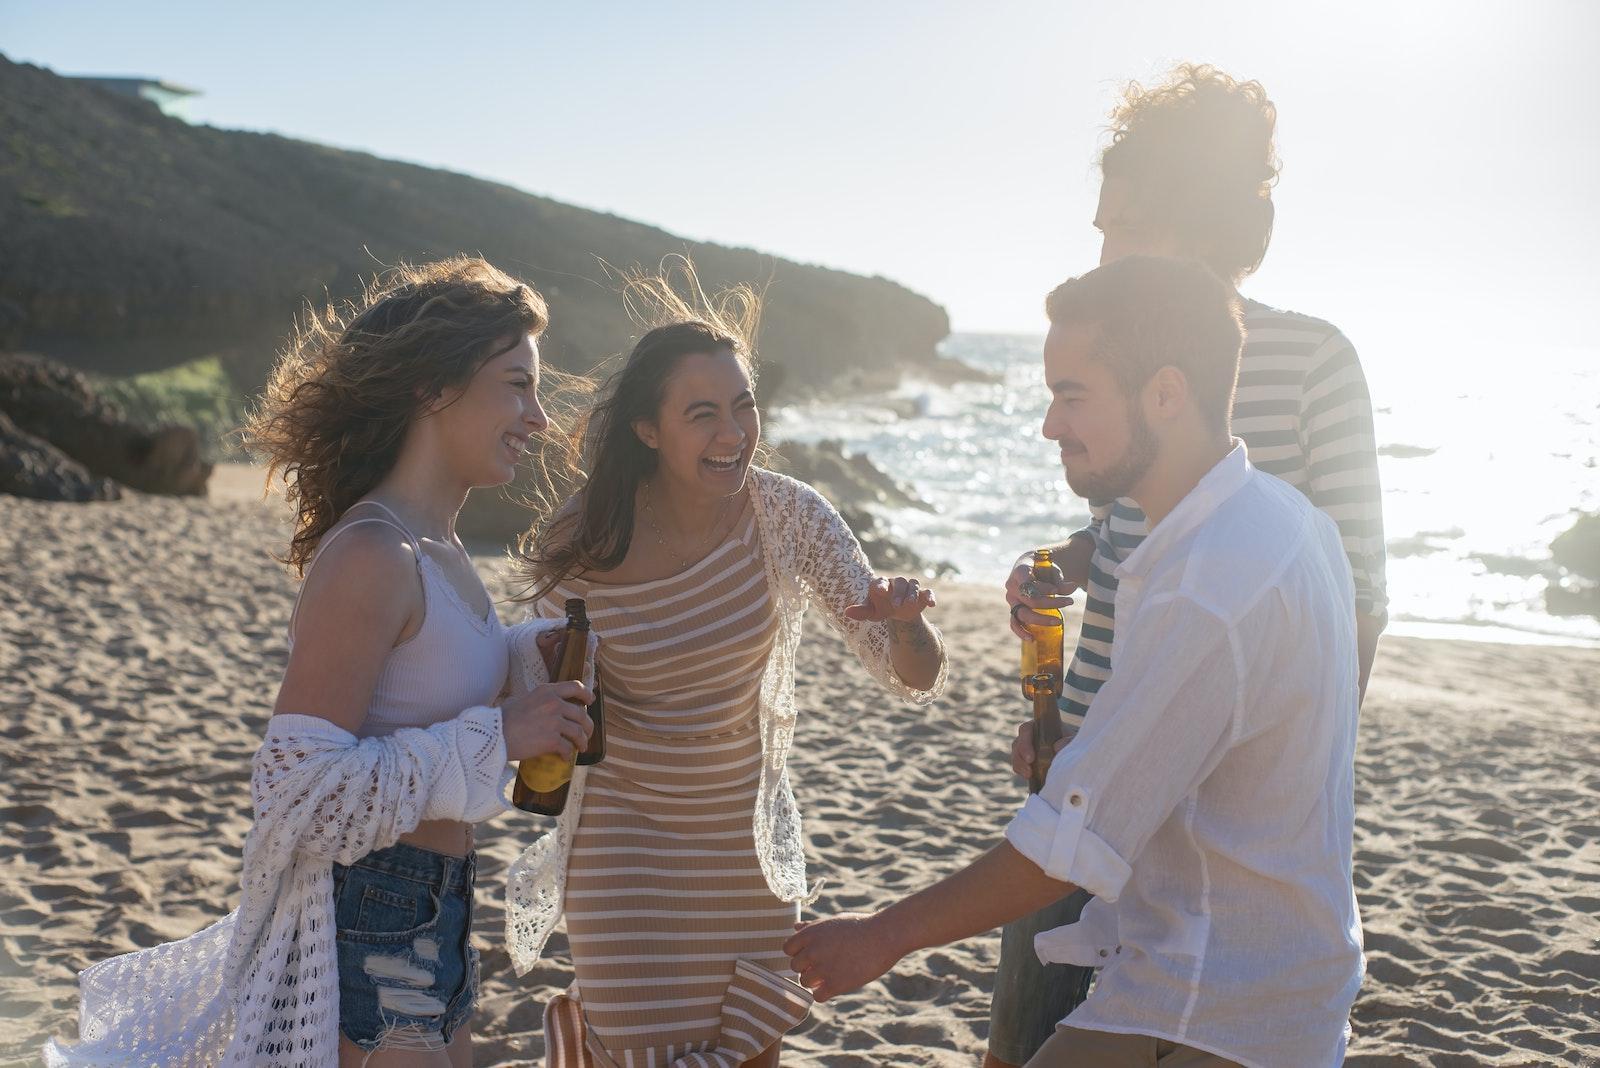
{"x": 1491, "y": 848}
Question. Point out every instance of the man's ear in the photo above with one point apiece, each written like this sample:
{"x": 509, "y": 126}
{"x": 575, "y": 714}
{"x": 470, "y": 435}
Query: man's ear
{"x": 1166, "y": 394}
{"x": 647, "y": 432}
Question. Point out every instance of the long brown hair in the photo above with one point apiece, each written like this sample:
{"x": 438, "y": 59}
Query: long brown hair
{"x": 353, "y": 376}
{"x": 1198, "y": 152}
{"x": 602, "y": 455}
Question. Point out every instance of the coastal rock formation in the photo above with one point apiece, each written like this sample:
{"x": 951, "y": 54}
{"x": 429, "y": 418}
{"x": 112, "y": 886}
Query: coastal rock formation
{"x": 847, "y": 480}
{"x": 856, "y": 486}
{"x": 1578, "y": 547}
{"x": 32, "y": 467}
{"x": 61, "y": 441}
{"x": 136, "y": 242}
{"x": 1576, "y": 551}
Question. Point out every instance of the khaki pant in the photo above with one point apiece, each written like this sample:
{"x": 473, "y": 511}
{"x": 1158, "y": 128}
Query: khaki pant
{"x": 1072, "y": 1047}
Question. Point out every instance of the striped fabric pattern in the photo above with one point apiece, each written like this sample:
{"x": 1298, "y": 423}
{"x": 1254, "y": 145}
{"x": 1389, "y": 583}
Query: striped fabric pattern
{"x": 676, "y": 938}
{"x": 1305, "y": 415}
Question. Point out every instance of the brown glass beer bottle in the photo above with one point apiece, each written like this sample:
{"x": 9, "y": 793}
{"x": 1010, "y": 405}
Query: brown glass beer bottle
{"x": 543, "y": 781}
{"x": 1042, "y": 669}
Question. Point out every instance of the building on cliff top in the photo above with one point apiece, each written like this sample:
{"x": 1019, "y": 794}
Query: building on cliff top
{"x": 171, "y": 99}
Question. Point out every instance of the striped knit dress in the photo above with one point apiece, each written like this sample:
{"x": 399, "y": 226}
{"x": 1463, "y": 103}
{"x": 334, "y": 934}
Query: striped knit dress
{"x": 676, "y": 938}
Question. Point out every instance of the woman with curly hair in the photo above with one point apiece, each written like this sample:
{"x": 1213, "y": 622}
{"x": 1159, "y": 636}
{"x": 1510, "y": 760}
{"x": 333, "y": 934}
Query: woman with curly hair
{"x": 678, "y": 859}
{"x": 351, "y": 941}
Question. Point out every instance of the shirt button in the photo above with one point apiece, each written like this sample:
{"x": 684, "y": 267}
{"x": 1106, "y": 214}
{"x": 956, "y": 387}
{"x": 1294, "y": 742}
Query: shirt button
{"x": 1075, "y": 799}
{"x": 1103, "y": 953}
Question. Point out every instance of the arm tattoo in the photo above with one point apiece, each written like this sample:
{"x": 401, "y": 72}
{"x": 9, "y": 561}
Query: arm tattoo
{"x": 918, "y": 635}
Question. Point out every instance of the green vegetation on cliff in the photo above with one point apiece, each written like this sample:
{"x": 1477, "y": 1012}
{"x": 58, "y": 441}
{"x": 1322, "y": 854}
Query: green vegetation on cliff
{"x": 135, "y": 242}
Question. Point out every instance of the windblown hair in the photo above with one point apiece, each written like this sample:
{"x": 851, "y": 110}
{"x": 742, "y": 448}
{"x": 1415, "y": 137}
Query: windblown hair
{"x": 353, "y": 377}
{"x": 603, "y": 458}
{"x": 1148, "y": 312}
{"x": 1197, "y": 151}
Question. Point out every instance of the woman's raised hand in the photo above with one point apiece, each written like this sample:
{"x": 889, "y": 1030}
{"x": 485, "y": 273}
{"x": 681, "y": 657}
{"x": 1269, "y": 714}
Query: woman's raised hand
{"x": 899, "y": 598}
{"x": 552, "y": 718}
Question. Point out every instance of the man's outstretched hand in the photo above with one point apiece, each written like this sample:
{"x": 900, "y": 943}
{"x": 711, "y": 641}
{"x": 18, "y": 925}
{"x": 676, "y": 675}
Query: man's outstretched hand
{"x": 842, "y": 954}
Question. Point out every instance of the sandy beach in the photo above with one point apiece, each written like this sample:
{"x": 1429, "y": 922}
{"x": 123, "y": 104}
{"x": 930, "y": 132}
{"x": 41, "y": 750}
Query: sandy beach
{"x": 141, "y": 644}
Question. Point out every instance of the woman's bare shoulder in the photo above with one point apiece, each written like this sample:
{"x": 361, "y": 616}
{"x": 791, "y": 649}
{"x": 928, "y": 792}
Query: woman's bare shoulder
{"x": 368, "y": 566}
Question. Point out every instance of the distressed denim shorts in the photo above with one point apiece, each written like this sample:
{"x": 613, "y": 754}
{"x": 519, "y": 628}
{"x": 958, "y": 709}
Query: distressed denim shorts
{"x": 408, "y": 975}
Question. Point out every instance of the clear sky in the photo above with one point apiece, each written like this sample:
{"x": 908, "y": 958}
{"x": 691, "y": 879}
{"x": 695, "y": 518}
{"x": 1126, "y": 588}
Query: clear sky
{"x": 1441, "y": 159}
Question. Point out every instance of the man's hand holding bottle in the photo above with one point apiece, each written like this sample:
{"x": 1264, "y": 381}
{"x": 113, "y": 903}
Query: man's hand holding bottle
{"x": 1022, "y": 749}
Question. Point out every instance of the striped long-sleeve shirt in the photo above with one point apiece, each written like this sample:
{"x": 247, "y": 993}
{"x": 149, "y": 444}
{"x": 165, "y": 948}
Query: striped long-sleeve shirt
{"x": 1304, "y": 414}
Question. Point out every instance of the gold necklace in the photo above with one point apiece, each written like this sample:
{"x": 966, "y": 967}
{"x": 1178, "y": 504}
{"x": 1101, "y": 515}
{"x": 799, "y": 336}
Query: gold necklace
{"x": 650, "y": 517}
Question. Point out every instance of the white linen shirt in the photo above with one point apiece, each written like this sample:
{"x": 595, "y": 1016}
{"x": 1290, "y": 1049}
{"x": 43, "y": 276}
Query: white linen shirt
{"x": 1209, "y": 801}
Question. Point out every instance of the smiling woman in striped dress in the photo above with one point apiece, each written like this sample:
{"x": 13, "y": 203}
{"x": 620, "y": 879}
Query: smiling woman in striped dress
{"x": 678, "y": 860}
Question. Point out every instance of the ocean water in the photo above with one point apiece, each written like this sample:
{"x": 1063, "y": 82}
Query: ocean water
{"x": 1479, "y": 474}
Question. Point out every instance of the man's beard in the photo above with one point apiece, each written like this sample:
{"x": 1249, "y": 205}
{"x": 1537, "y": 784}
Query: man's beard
{"x": 1125, "y": 471}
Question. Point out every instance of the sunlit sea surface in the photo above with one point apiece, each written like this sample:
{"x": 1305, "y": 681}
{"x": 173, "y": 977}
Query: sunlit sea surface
{"x": 1480, "y": 468}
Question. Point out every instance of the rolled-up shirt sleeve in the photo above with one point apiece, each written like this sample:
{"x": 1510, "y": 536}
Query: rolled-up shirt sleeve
{"x": 1160, "y": 726}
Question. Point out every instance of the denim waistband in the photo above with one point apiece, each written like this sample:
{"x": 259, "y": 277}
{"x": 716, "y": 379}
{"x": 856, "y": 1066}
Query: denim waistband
{"x": 443, "y": 872}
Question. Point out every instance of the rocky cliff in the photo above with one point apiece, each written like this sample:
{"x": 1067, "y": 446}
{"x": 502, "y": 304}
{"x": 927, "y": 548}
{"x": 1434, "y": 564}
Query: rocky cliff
{"x": 135, "y": 242}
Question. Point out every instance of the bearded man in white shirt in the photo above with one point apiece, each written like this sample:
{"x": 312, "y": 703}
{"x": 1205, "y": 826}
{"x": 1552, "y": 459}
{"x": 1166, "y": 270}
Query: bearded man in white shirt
{"x": 1209, "y": 802}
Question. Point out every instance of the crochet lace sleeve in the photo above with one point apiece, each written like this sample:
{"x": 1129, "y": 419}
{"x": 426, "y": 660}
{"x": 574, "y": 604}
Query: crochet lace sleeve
{"x": 536, "y": 880}
{"x": 364, "y": 793}
{"x": 834, "y": 573}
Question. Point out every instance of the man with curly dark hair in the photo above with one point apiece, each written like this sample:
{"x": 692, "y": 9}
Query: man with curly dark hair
{"x": 1189, "y": 173}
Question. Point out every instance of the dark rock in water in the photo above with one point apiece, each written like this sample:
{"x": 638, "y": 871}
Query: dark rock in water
{"x": 48, "y": 401}
{"x": 886, "y": 554}
{"x": 1578, "y": 548}
{"x": 843, "y": 479}
{"x": 1400, "y": 548}
{"x": 1577, "y": 552}
{"x": 949, "y": 371}
{"x": 32, "y": 467}
{"x": 1572, "y": 596}
{"x": 1407, "y": 452}
{"x": 855, "y": 484}
{"x": 1518, "y": 566}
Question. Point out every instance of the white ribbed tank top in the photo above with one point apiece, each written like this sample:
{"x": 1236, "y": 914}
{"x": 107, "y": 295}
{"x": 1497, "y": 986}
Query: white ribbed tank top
{"x": 456, "y": 659}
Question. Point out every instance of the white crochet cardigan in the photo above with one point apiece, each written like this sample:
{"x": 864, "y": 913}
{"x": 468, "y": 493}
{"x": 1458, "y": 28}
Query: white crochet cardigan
{"x": 260, "y": 986}
{"x": 811, "y": 558}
